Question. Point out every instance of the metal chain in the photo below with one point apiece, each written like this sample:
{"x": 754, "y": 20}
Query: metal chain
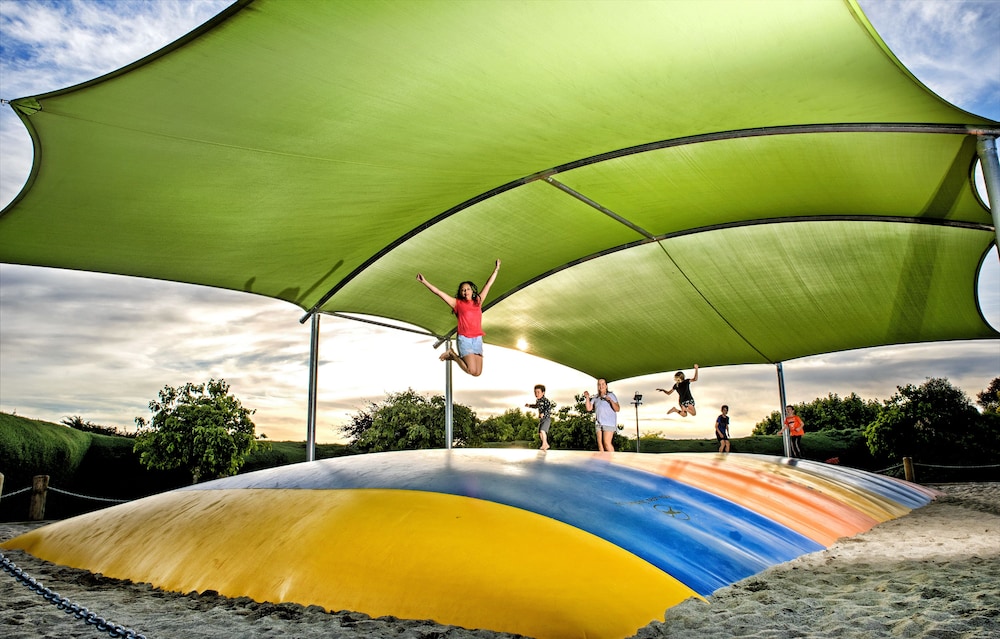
{"x": 66, "y": 605}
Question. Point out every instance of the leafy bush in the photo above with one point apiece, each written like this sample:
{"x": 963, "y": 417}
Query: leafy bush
{"x": 825, "y": 413}
{"x": 513, "y": 425}
{"x": 410, "y": 421}
{"x": 989, "y": 399}
{"x": 927, "y": 422}
{"x": 200, "y": 428}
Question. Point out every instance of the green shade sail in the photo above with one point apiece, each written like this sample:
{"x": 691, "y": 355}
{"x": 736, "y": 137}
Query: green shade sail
{"x": 667, "y": 183}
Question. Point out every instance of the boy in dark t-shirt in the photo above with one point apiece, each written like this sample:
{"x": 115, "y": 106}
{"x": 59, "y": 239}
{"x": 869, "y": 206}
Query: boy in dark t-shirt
{"x": 722, "y": 430}
{"x": 544, "y": 406}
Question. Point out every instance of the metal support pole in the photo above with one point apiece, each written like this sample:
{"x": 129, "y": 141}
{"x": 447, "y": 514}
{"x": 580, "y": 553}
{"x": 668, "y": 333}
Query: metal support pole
{"x": 637, "y": 400}
{"x": 785, "y": 439}
{"x": 987, "y": 148}
{"x": 449, "y": 418}
{"x": 313, "y": 374}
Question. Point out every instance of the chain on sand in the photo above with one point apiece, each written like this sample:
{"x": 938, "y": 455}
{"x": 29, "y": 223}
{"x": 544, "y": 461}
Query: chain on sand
{"x": 66, "y": 605}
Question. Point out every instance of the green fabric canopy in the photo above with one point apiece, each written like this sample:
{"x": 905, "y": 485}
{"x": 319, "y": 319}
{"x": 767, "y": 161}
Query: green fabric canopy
{"x": 667, "y": 183}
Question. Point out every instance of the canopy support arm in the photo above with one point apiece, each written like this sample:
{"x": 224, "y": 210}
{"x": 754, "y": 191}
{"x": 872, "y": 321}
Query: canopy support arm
{"x": 785, "y": 439}
{"x": 987, "y": 150}
{"x": 314, "y": 315}
{"x": 313, "y": 375}
{"x": 449, "y": 418}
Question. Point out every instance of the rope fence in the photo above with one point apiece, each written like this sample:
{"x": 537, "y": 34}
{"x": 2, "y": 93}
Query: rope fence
{"x": 910, "y": 474}
{"x": 40, "y": 489}
{"x": 104, "y": 499}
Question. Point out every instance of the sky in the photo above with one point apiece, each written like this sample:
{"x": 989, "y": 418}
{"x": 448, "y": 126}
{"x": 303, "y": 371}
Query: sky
{"x": 101, "y": 346}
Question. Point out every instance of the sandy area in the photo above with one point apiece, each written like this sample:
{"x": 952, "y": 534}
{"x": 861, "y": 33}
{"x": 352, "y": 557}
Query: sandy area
{"x": 934, "y": 573}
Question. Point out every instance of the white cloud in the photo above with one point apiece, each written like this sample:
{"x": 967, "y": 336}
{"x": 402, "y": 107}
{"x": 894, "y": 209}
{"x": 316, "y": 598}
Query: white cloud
{"x": 951, "y": 46}
{"x": 101, "y": 346}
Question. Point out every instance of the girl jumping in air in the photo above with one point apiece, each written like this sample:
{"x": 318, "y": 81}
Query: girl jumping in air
{"x": 467, "y": 306}
{"x": 684, "y": 397}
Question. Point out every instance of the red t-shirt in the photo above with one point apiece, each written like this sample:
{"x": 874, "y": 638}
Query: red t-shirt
{"x": 470, "y": 318}
{"x": 795, "y": 426}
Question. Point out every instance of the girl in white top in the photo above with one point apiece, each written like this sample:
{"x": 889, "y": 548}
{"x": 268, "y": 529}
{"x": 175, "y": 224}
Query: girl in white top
{"x": 605, "y": 407}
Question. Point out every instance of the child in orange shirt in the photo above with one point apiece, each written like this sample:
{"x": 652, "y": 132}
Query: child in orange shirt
{"x": 796, "y": 429}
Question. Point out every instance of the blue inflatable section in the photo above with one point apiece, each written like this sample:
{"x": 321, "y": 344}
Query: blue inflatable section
{"x": 702, "y": 540}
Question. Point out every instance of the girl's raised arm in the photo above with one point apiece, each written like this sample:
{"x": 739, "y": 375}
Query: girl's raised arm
{"x": 448, "y": 299}
{"x": 486, "y": 287}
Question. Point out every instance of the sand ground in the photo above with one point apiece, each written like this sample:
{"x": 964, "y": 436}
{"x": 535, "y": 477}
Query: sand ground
{"x": 933, "y": 574}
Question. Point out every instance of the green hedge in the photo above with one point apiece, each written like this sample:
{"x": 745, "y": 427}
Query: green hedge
{"x": 99, "y": 466}
{"x": 76, "y": 462}
{"x": 284, "y": 453}
{"x": 29, "y": 447}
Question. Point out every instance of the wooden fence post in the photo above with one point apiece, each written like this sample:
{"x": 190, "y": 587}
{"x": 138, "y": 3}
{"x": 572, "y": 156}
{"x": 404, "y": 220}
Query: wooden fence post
{"x": 39, "y": 490}
{"x": 1, "y": 483}
{"x": 908, "y": 469}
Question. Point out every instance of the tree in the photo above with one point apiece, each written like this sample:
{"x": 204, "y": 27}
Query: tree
{"x": 826, "y": 413}
{"x": 932, "y": 422}
{"x": 410, "y": 421}
{"x": 77, "y": 423}
{"x": 989, "y": 399}
{"x": 197, "y": 427}
{"x": 513, "y": 425}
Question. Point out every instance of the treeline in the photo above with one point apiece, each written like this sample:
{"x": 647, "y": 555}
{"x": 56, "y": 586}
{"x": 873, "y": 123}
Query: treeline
{"x": 934, "y": 422}
{"x": 409, "y": 420}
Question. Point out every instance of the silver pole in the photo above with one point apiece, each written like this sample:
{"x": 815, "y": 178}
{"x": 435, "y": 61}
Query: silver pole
{"x": 785, "y": 439}
{"x": 987, "y": 149}
{"x": 313, "y": 374}
{"x": 449, "y": 419}
{"x": 637, "y": 399}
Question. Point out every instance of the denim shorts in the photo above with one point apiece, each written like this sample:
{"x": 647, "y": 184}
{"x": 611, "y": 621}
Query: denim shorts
{"x": 469, "y": 345}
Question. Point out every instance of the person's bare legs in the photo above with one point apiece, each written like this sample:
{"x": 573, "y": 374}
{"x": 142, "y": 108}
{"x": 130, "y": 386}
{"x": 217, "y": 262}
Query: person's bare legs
{"x": 471, "y": 364}
{"x": 545, "y": 439}
{"x": 679, "y": 411}
{"x": 691, "y": 411}
{"x": 600, "y": 441}
{"x": 608, "y": 436}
